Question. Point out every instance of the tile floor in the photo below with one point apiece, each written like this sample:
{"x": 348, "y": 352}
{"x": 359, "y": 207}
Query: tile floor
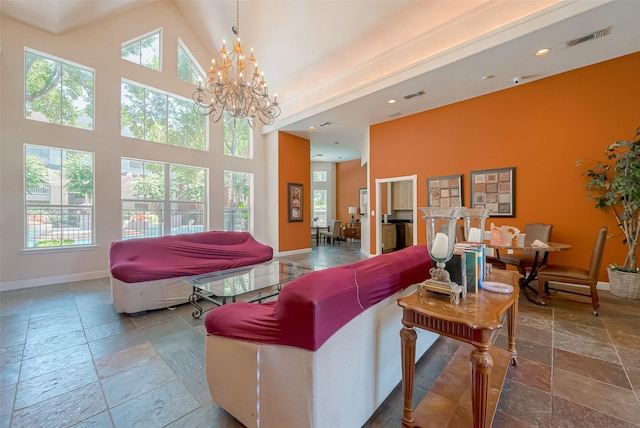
{"x": 67, "y": 359}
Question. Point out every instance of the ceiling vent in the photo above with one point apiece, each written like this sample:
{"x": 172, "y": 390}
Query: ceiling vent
{"x": 415, "y": 94}
{"x": 594, "y": 35}
{"x": 394, "y": 115}
{"x": 323, "y": 124}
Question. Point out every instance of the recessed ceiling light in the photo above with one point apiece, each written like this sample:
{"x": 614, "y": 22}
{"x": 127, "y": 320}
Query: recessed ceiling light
{"x": 311, "y": 128}
{"x": 488, "y": 76}
{"x": 543, "y": 52}
{"x": 391, "y": 101}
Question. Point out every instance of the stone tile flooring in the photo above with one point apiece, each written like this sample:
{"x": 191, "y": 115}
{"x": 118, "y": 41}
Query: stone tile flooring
{"x": 67, "y": 359}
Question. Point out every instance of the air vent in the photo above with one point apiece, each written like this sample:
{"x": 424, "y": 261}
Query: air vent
{"x": 323, "y": 124}
{"x": 594, "y": 35}
{"x": 394, "y": 115}
{"x": 415, "y": 94}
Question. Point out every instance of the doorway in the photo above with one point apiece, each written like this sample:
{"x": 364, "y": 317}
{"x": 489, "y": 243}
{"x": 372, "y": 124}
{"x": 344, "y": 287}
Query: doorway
{"x": 399, "y": 209}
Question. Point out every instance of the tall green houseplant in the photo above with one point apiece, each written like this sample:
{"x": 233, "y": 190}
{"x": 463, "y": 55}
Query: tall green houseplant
{"x": 615, "y": 187}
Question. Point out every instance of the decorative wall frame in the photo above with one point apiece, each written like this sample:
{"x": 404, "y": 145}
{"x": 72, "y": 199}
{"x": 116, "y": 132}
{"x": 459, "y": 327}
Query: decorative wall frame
{"x": 494, "y": 190}
{"x": 295, "y": 202}
{"x": 364, "y": 202}
{"x": 445, "y": 191}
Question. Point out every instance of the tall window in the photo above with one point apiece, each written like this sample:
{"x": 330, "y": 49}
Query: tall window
{"x": 161, "y": 199}
{"x": 237, "y": 201}
{"x": 57, "y": 91}
{"x": 238, "y": 140}
{"x": 144, "y": 50}
{"x": 188, "y": 69}
{"x": 152, "y": 115}
{"x": 58, "y": 197}
{"x": 320, "y": 206}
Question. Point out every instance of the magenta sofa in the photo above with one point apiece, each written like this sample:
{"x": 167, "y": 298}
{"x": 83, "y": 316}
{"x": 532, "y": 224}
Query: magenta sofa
{"x": 147, "y": 273}
{"x": 325, "y": 354}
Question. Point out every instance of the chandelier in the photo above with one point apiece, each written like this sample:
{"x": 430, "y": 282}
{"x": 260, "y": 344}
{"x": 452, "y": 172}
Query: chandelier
{"x": 236, "y": 86}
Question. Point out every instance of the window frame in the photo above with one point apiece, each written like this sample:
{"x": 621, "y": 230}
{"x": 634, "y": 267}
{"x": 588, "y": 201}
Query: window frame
{"x": 233, "y": 211}
{"x": 69, "y": 215}
{"x": 139, "y": 40}
{"x": 63, "y": 62}
{"x": 166, "y": 224}
{"x": 169, "y": 114}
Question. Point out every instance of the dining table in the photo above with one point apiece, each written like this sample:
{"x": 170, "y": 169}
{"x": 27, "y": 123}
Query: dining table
{"x": 317, "y": 230}
{"x": 541, "y": 255}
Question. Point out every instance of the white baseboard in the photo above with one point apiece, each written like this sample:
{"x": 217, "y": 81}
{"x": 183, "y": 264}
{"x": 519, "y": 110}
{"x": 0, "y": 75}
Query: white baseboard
{"x": 50, "y": 280}
{"x": 293, "y": 252}
{"x": 600, "y": 286}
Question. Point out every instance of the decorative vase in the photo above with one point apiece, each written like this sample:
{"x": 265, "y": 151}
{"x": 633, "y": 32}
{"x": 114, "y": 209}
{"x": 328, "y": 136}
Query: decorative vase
{"x": 624, "y": 284}
{"x": 474, "y": 220}
{"x": 441, "y": 237}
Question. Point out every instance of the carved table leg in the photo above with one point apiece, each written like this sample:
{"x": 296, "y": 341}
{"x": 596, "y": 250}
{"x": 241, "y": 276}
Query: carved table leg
{"x": 513, "y": 316}
{"x": 481, "y": 363}
{"x": 408, "y": 348}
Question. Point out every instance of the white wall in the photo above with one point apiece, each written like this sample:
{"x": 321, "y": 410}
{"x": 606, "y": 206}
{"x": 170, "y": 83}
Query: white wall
{"x": 98, "y": 46}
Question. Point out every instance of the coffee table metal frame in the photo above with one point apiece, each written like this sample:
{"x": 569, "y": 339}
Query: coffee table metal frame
{"x": 252, "y": 284}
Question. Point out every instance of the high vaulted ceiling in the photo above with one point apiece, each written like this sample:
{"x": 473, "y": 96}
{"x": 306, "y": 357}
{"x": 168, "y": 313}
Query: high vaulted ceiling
{"x": 341, "y": 61}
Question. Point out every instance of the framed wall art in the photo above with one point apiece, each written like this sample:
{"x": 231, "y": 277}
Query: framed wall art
{"x": 295, "y": 205}
{"x": 363, "y": 202}
{"x": 494, "y": 190}
{"x": 445, "y": 191}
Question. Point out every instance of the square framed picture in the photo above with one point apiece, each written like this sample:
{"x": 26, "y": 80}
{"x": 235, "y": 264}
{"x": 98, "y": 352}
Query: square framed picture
{"x": 495, "y": 191}
{"x": 445, "y": 191}
{"x": 295, "y": 205}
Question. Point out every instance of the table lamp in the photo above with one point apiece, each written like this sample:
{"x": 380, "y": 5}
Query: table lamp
{"x": 352, "y": 211}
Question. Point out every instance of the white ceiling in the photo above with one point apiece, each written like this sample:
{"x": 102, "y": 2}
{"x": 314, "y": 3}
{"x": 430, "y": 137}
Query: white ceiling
{"x": 341, "y": 61}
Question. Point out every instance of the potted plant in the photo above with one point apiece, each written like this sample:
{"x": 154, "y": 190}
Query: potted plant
{"x": 615, "y": 187}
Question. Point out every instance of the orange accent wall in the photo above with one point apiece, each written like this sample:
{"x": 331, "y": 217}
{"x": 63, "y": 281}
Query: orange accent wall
{"x": 541, "y": 128}
{"x": 294, "y": 167}
{"x": 350, "y": 178}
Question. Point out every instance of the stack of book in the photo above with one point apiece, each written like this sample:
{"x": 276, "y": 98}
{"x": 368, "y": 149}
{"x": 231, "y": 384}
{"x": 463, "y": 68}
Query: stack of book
{"x": 466, "y": 267}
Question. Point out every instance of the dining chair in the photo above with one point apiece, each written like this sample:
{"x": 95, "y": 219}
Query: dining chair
{"x": 333, "y": 234}
{"x": 524, "y": 260}
{"x": 576, "y": 275}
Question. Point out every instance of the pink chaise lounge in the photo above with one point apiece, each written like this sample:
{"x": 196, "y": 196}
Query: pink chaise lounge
{"x": 146, "y": 273}
{"x": 325, "y": 354}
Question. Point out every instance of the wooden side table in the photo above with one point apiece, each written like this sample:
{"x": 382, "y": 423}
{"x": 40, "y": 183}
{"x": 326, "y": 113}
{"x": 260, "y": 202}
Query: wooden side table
{"x": 476, "y": 320}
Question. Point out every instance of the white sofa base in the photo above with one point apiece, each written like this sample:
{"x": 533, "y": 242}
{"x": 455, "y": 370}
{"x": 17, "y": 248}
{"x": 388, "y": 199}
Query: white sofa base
{"x": 339, "y": 385}
{"x": 148, "y": 295}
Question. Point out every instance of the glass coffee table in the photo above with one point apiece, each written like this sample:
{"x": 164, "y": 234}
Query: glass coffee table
{"x": 253, "y": 283}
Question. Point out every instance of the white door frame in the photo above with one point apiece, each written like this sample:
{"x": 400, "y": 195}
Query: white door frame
{"x": 378, "y": 218}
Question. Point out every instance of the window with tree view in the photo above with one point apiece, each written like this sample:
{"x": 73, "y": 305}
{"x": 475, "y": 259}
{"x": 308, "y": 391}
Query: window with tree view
{"x": 161, "y": 199}
{"x": 58, "y": 197}
{"x": 58, "y": 91}
{"x": 187, "y": 68}
{"x": 238, "y": 140}
{"x": 320, "y": 207}
{"x": 153, "y": 115}
{"x": 237, "y": 201}
{"x": 144, "y": 51}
